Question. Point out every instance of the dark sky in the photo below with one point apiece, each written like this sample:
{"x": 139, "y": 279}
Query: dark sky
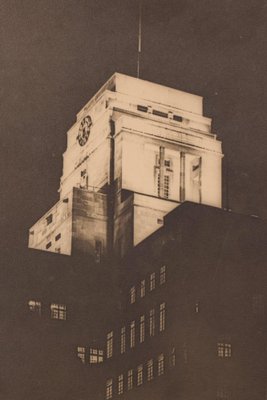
{"x": 55, "y": 54}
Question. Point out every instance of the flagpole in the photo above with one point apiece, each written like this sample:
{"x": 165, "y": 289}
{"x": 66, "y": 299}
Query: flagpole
{"x": 139, "y": 39}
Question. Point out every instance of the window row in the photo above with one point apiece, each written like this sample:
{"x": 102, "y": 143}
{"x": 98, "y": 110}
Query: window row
{"x": 150, "y": 285}
{"x": 136, "y": 377}
{"x": 94, "y": 356}
{"x": 138, "y": 330}
{"x": 160, "y": 113}
{"x": 57, "y": 311}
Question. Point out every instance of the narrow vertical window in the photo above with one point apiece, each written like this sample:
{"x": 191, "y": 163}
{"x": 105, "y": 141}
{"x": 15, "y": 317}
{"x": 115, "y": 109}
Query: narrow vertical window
{"x": 110, "y": 344}
{"x": 162, "y": 275}
{"x": 162, "y": 317}
{"x": 81, "y": 353}
{"x": 152, "y": 281}
{"x": 120, "y": 384}
{"x": 172, "y": 358}
{"x": 132, "y": 295}
{"x": 160, "y": 364}
{"x": 132, "y": 334}
{"x": 143, "y": 288}
{"x": 142, "y": 328}
{"x": 197, "y": 307}
{"x": 140, "y": 375}
{"x": 150, "y": 373}
{"x": 152, "y": 322}
{"x": 166, "y": 186}
{"x": 123, "y": 340}
{"x": 109, "y": 389}
{"x": 130, "y": 379}
{"x": 98, "y": 251}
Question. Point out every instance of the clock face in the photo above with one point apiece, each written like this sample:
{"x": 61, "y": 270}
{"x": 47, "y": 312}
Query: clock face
{"x": 84, "y": 130}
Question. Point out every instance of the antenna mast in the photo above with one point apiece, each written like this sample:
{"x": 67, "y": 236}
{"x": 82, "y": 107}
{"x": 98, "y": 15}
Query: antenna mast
{"x": 139, "y": 39}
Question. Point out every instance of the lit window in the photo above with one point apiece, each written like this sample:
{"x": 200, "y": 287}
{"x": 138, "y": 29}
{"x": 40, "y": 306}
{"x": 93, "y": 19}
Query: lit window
{"x": 139, "y": 375}
{"x": 35, "y": 306}
{"x": 172, "y": 358}
{"x": 49, "y": 219}
{"x": 197, "y": 307}
{"x": 166, "y": 186}
{"x": 58, "y": 236}
{"x": 162, "y": 317}
{"x": 150, "y": 373}
{"x": 132, "y": 334}
{"x": 123, "y": 340}
{"x": 132, "y": 295}
{"x": 224, "y": 350}
{"x": 143, "y": 288}
{"x": 120, "y": 384}
{"x": 110, "y": 344}
{"x": 96, "y": 356}
{"x": 162, "y": 275}
{"x": 130, "y": 379}
{"x": 152, "y": 322}
{"x": 81, "y": 353}
{"x": 258, "y": 304}
{"x": 58, "y": 311}
{"x": 142, "y": 329}
{"x": 160, "y": 364}
{"x": 109, "y": 389}
{"x": 98, "y": 251}
{"x": 152, "y": 281}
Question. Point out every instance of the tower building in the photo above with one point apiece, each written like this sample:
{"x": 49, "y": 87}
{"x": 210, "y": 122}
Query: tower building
{"x": 136, "y": 151}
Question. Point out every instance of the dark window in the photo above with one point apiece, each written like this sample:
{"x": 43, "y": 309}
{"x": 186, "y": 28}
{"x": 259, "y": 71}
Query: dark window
{"x": 98, "y": 251}
{"x": 142, "y": 108}
{"x": 48, "y": 245}
{"x": 177, "y": 118}
{"x": 120, "y": 384}
{"x": 160, "y": 113}
{"x": 58, "y": 236}
{"x": 49, "y": 219}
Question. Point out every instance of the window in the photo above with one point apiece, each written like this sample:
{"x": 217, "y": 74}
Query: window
{"x": 35, "y": 306}
{"x": 160, "y": 113}
{"x": 96, "y": 356}
{"x": 158, "y": 184}
{"x": 120, "y": 384}
{"x": 48, "y": 245}
{"x": 81, "y": 353}
{"x": 132, "y": 334}
{"x": 58, "y": 236}
{"x": 142, "y": 328}
{"x": 258, "y": 304}
{"x": 167, "y": 163}
{"x": 177, "y": 118}
{"x": 224, "y": 350}
{"x": 172, "y": 358}
{"x": 162, "y": 313}
{"x": 109, "y": 389}
{"x": 152, "y": 281}
{"x": 132, "y": 295}
{"x": 166, "y": 186}
{"x": 98, "y": 251}
{"x": 49, "y": 219}
{"x": 130, "y": 379}
{"x": 110, "y": 344}
{"x": 140, "y": 375}
{"x": 162, "y": 275}
{"x": 143, "y": 288}
{"x": 58, "y": 311}
{"x": 222, "y": 394}
{"x": 150, "y": 374}
{"x": 142, "y": 108}
{"x": 123, "y": 339}
{"x": 152, "y": 322}
{"x": 160, "y": 364}
{"x": 197, "y": 307}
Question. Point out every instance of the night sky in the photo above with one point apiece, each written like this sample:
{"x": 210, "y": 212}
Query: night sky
{"x": 55, "y": 54}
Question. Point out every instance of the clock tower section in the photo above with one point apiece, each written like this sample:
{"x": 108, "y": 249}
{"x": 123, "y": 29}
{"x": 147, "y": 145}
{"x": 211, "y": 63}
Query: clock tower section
{"x": 136, "y": 151}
